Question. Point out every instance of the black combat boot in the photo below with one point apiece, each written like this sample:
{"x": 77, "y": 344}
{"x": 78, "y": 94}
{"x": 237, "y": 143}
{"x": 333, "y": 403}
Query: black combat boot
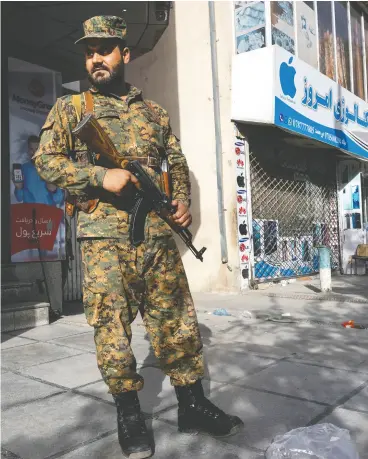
{"x": 197, "y": 414}
{"x": 132, "y": 431}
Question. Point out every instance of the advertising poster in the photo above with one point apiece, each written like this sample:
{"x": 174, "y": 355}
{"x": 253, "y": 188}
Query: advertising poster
{"x": 342, "y": 44}
{"x": 37, "y": 207}
{"x": 242, "y": 214}
{"x": 250, "y": 24}
{"x": 282, "y": 21}
{"x": 306, "y": 33}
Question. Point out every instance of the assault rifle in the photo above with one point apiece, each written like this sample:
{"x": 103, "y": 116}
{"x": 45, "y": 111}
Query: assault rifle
{"x": 161, "y": 204}
{"x": 149, "y": 196}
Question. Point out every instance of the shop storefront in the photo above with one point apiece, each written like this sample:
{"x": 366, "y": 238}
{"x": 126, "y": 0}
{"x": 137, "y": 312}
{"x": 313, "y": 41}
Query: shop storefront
{"x": 302, "y": 138}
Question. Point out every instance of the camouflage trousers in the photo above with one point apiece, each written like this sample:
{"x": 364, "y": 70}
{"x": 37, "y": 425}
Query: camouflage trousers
{"x": 118, "y": 280}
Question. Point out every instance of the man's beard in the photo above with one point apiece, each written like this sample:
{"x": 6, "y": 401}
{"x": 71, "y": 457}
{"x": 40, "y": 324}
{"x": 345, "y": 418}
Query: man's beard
{"x": 114, "y": 77}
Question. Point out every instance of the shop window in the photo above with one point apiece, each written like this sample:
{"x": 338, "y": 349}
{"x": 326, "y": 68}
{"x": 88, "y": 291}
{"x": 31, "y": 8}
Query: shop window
{"x": 342, "y": 44}
{"x": 250, "y": 23}
{"x": 326, "y": 45}
{"x": 357, "y": 50}
{"x": 282, "y": 22}
{"x": 306, "y": 33}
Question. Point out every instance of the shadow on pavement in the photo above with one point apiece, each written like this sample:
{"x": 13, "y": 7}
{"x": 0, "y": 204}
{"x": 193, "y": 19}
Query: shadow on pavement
{"x": 275, "y": 376}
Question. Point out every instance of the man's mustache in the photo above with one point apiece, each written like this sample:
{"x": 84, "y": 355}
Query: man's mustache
{"x": 99, "y": 67}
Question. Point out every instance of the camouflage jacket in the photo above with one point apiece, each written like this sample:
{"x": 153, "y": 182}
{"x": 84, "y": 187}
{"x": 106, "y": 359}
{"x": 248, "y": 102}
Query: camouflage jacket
{"x": 134, "y": 130}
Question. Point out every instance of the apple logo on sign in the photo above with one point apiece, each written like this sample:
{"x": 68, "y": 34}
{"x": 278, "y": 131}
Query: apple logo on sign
{"x": 240, "y": 181}
{"x": 287, "y": 75}
{"x": 243, "y": 230}
{"x": 245, "y": 273}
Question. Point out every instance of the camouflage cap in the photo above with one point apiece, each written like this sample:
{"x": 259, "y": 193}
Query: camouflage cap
{"x": 104, "y": 27}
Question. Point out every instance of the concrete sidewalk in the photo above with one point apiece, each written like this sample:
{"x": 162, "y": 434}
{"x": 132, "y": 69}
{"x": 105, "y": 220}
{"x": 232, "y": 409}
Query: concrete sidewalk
{"x": 300, "y": 298}
{"x": 275, "y": 376}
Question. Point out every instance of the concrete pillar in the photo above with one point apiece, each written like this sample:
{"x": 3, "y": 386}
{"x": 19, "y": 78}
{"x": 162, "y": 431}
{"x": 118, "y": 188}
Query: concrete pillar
{"x": 325, "y": 268}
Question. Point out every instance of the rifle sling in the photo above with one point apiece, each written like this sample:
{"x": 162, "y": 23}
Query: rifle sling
{"x": 88, "y": 99}
{"x": 77, "y": 102}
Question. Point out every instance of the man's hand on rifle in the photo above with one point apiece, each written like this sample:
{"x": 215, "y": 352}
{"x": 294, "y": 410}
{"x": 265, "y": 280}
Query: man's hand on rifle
{"x": 116, "y": 179}
{"x": 182, "y": 217}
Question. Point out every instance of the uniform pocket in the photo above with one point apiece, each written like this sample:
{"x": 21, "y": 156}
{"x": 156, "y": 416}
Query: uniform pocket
{"x": 110, "y": 121}
{"x": 92, "y": 307}
{"x": 107, "y": 114}
{"x": 156, "y": 227}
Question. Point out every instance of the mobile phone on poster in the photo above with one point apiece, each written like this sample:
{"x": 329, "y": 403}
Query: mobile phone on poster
{"x": 17, "y": 173}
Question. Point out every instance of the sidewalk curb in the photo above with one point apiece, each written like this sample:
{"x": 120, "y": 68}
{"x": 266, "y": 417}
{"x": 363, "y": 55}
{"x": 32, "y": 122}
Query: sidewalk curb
{"x": 332, "y": 297}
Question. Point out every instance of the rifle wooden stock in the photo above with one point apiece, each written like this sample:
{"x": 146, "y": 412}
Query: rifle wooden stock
{"x": 166, "y": 178}
{"x": 95, "y": 137}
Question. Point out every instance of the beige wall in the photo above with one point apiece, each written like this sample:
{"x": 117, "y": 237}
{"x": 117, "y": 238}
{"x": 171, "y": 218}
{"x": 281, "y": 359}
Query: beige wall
{"x": 178, "y": 75}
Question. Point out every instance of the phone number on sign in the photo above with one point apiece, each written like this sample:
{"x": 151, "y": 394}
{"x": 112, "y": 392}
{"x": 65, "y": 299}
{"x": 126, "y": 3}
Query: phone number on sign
{"x": 304, "y": 127}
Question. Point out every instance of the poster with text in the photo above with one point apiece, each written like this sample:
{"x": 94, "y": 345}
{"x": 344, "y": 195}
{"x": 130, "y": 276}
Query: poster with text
{"x": 37, "y": 207}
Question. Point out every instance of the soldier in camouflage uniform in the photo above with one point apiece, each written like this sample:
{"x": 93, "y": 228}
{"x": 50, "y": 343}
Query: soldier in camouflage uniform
{"x": 119, "y": 278}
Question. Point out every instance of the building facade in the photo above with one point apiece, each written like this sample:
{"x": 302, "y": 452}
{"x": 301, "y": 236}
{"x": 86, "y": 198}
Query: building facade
{"x": 285, "y": 189}
{"x": 299, "y": 101}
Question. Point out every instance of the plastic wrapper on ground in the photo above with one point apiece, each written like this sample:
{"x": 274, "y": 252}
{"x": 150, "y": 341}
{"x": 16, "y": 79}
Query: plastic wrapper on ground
{"x": 320, "y": 441}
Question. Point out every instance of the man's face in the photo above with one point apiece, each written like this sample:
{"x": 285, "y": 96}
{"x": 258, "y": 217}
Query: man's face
{"x": 105, "y": 61}
{"x": 32, "y": 148}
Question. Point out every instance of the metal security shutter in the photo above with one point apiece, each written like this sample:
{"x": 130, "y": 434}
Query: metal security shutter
{"x": 294, "y": 209}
